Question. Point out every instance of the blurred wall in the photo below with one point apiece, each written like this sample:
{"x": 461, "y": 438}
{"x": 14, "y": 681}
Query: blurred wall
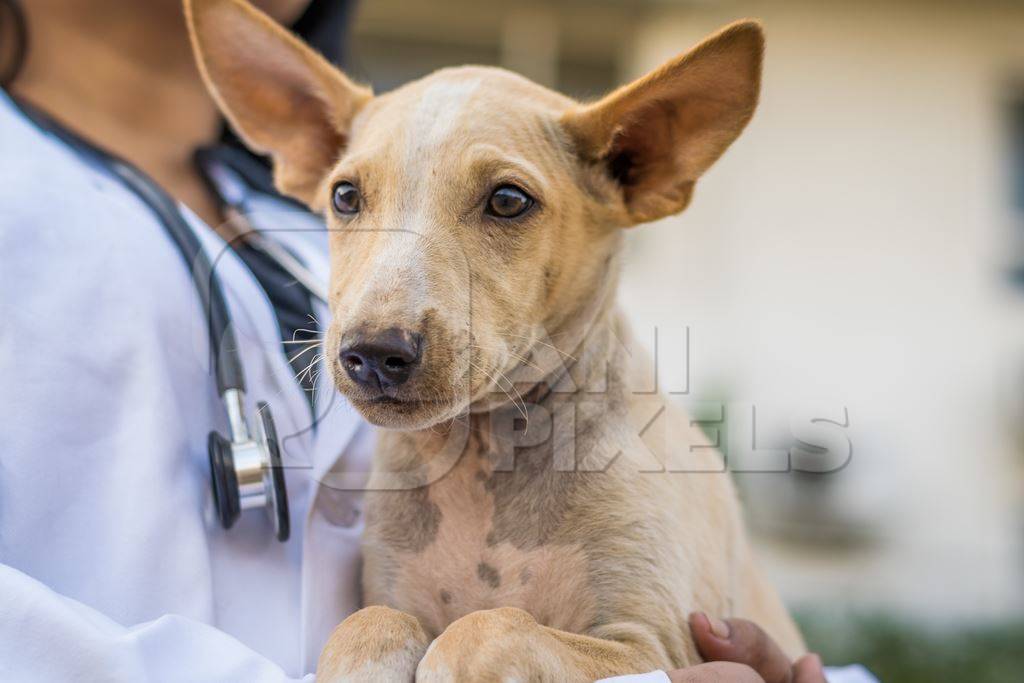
{"x": 851, "y": 250}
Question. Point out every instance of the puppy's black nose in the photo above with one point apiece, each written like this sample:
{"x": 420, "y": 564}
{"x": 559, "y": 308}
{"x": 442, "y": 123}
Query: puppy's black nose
{"x": 384, "y": 361}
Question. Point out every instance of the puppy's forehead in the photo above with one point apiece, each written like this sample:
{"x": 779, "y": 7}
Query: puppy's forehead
{"x": 440, "y": 109}
{"x": 455, "y": 107}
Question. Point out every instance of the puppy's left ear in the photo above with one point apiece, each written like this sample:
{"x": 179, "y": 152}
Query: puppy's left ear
{"x": 657, "y": 135}
{"x": 280, "y": 96}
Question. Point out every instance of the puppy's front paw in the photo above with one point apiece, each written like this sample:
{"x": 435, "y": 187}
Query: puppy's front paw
{"x": 375, "y": 644}
{"x": 504, "y": 644}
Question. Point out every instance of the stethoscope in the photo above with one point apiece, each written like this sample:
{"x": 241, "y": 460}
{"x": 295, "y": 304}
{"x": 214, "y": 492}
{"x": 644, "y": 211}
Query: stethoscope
{"x": 245, "y": 466}
{"x": 246, "y": 470}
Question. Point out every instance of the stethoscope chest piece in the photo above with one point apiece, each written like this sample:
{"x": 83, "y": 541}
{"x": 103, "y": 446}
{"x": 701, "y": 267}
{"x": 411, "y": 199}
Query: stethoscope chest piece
{"x": 246, "y": 470}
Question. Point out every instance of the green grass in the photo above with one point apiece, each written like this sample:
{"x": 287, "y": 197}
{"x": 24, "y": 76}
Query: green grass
{"x": 898, "y": 651}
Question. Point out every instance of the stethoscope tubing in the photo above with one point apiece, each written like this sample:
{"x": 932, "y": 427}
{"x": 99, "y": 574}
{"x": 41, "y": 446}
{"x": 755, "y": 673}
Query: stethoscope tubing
{"x": 233, "y": 192}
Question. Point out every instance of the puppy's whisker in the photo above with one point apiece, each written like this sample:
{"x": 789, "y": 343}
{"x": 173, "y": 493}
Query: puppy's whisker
{"x": 522, "y": 410}
{"x": 516, "y": 356}
{"x": 316, "y": 359}
{"x": 311, "y": 347}
{"x": 543, "y": 343}
{"x": 495, "y": 382}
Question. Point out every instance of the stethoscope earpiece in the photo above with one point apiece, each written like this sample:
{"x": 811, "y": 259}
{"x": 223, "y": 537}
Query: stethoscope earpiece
{"x": 15, "y": 33}
{"x": 246, "y": 470}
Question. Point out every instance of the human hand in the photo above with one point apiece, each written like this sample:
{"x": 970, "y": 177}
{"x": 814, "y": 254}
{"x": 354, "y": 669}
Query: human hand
{"x": 739, "y": 651}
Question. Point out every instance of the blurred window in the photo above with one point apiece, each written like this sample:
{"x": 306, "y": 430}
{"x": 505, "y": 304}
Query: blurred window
{"x": 1016, "y": 146}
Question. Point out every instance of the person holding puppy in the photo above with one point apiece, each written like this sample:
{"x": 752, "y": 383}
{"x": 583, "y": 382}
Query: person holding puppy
{"x": 114, "y": 559}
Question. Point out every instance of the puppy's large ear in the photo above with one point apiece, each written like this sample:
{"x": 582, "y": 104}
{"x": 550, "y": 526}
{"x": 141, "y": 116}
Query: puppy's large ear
{"x": 657, "y": 135}
{"x": 279, "y": 95}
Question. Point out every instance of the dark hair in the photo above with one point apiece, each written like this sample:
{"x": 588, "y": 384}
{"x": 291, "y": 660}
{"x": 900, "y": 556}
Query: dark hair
{"x": 324, "y": 25}
{"x": 12, "y": 19}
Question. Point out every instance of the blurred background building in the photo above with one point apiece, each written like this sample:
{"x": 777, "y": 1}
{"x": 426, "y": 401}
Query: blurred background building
{"x": 861, "y": 246}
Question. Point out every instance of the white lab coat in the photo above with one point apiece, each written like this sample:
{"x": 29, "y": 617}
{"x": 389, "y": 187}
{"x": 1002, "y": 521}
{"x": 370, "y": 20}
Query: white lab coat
{"x": 112, "y": 563}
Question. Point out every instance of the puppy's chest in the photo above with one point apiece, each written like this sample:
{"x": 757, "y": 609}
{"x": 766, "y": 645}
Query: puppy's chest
{"x": 476, "y": 540}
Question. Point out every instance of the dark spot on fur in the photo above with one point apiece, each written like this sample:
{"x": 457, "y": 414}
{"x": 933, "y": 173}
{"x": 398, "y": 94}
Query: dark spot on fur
{"x": 525, "y": 575}
{"x": 446, "y": 597}
{"x": 488, "y": 575}
{"x": 531, "y": 499}
{"x": 406, "y": 520}
{"x": 481, "y": 476}
{"x": 551, "y": 280}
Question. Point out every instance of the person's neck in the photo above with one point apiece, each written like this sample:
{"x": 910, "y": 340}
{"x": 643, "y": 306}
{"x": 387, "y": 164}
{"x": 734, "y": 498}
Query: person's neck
{"x": 121, "y": 75}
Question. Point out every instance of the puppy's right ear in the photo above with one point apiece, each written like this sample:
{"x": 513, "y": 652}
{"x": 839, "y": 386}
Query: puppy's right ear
{"x": 280, "y": 96}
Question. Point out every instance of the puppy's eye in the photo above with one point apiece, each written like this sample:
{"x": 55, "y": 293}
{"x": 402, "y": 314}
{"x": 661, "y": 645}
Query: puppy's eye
{"x": 508, "y": 201}
{"x": 345, "y": 199}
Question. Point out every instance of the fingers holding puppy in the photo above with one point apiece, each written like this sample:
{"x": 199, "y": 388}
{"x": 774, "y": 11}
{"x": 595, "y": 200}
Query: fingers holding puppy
{"x": 744, "y": 643}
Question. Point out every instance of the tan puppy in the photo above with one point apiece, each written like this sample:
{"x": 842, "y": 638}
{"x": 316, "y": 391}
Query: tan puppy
{"x": 520, "y": 525}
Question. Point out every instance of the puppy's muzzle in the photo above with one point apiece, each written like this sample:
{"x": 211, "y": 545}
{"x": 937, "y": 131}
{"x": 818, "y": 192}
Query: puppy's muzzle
{"x": 383, "y": 362}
